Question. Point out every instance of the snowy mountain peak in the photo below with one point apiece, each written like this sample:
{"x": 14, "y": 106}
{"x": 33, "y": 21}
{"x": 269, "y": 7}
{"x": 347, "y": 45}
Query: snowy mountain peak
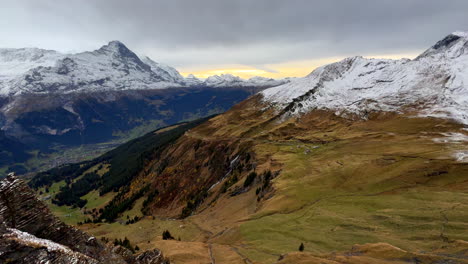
{"x": 260, "y": 78}
{"x": 115, "y": 46}
{"x": 222, "y": 79}
{"x": 463, "y": 34}
{"x": 228, "y": 76}
{"x": 452, "y": 45}
{"x": 112, "y": 67}
{"x": 225, "y": 80}
{"x": 435, "y": 84}
{"x": 191, "y": 80}
{"x": 119, "y": 51}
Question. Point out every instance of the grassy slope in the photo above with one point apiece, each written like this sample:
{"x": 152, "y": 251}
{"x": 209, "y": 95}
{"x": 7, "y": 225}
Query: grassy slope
{"x": 346, "y": 183}
{"x": 134, "y": 211}
{"x": 72, "y": 215}
{"x": 67, "y": 214}
{"x": 96, "y": 201}
{"x": 362, "y": 187}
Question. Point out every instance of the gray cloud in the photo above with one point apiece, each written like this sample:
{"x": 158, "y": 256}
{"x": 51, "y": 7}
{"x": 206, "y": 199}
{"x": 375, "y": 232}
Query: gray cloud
{"x": 186, "y": 33}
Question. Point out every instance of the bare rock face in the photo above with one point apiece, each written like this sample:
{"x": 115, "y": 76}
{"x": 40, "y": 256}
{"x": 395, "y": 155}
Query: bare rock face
{"x": 150, "y": 257}
{"x": 29, "y": 233}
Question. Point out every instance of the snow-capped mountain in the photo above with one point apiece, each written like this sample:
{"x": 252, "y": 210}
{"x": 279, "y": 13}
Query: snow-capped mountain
{"x": 229, "y": 80}
{"x": 267, "y": 82}
{"x": 191, "y": 80}
{"x": 433, "y": 84}
{"x": 113, "y": 67}
{"x": 223, "y": 80}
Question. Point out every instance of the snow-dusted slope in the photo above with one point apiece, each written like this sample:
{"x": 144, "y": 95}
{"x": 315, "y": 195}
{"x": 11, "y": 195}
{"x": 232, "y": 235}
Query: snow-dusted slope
{"x": 166, "y": 72}
{"x": 435, "y": 84}
{"x": 14, "y": 62}
{"x": 266, "y": 82}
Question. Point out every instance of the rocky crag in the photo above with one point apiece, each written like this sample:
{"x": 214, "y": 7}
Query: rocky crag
{"x": 31, "y": 234}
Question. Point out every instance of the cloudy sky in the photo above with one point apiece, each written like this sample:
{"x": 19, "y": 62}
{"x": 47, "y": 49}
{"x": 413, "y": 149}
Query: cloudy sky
{"x": 245, "y": 37}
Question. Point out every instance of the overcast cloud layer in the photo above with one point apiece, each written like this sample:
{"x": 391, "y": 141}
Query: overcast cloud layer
{"x": 185, "y": 33}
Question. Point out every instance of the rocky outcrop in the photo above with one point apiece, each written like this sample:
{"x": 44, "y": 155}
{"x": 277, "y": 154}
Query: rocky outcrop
{"x": 31, "y": 234}
{"x": 21, "y": 247}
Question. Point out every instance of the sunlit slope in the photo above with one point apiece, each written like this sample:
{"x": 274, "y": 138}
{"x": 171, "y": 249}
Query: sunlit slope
{"x": 393, "y": 179}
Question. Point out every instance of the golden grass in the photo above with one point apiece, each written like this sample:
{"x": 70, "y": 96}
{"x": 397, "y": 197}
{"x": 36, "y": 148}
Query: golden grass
{"x": 95, "y": 201}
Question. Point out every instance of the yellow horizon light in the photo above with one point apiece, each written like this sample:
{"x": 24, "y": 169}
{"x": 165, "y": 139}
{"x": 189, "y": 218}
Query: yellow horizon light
{"x": 243, "y": 73}
{"x": 298, "y": 68}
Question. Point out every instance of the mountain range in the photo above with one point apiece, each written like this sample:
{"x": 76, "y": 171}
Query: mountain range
{"x": 113, "y": 67}
{"x": 361, "y": 161}
{"x": 52, "y": 102}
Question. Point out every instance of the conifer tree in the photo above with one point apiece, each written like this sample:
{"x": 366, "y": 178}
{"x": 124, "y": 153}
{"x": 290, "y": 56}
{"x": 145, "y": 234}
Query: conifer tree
{"x": 301, "y": 247}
